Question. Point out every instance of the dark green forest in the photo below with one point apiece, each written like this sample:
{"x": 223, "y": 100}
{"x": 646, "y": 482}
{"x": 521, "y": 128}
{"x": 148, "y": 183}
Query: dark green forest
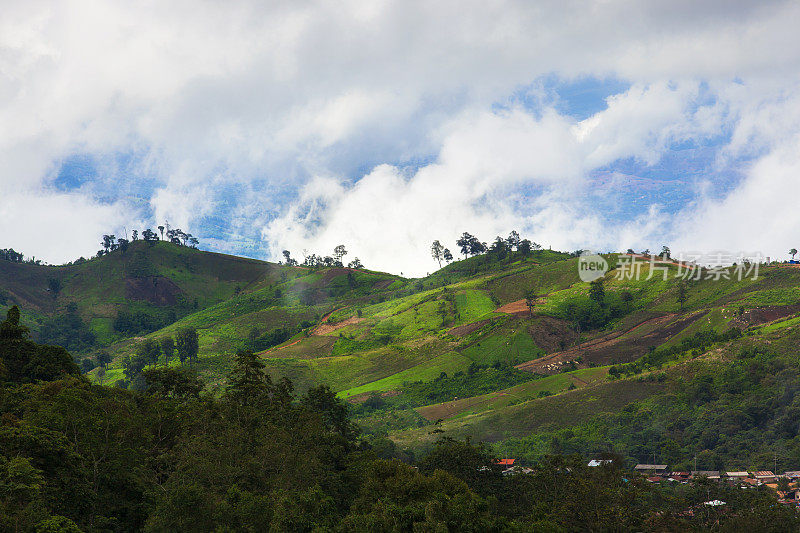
{"x": 258, "y": 457}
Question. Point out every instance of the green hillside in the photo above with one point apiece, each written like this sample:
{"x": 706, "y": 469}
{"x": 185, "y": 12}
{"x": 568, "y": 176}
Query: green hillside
{"x": 457, "y": 353}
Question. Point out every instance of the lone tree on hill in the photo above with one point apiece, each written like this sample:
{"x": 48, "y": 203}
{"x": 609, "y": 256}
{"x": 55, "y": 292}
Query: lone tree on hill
{"x": 530, "y": 300}
{"x": 54, "y": 284}
{"x": 597, "y": 292}
{"x": 161, "y": 229}
{"x": 437, "y": 252}
{"x": 447, "y": 255}
{"x": 793, "y": 252}
{"x": 683, "y": 293}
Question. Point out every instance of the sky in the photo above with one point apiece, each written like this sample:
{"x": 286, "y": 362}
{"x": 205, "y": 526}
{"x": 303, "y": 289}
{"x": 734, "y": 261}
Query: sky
{"x": 381, "y": 125}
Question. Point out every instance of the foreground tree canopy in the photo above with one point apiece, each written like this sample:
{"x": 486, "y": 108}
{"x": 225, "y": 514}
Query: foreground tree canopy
{"x": 260, "y": 457}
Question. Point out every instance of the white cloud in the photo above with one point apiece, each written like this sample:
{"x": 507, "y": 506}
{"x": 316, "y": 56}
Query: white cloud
{"x": 279, "y": 92}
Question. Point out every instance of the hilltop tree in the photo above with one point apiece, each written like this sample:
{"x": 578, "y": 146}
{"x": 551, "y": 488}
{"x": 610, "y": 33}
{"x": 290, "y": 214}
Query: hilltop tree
{"x": 793, "y": 252}
{"x": 122, "y": 244}
{"x": 194, "y": 241}
{"x": 447, "y": 255}
{"x": 287, "y": 257}
{"x": 465, "y": 243}
{"x": 161, "y": 229}
{"x": 149, "y": 236}
{"x": 513, "y": 240}
{"x": 665, "y": 252}
{"x": 135, "y": 235}
{"x": 167, "y": 348}
{"x": 338, "y": 254}
{"x": 108, "y": 242}
{"x": 499, "y": 248}
{"x": 437, "y": 252}
{"x": 524, "y": 247}
{"x": 355, "y": 263}
{"x": 188, "y": 344}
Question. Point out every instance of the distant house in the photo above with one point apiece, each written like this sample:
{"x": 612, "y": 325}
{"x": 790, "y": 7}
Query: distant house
{"x": 505, "y": 462}
{"x": 658, "y": 469}
{"x": 680, "y": 476}
{"x": 737, "y": 475}
{"x": 598, "y": 462}
{"x": 710, "y": 474}
{"x": 792, "y": 474}
{"x": 765, "y": 476}
{"x": 517, "y": 470}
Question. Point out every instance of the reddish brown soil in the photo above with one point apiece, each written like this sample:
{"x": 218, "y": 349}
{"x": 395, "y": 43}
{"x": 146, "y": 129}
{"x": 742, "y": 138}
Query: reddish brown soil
{"x": 466, "y": 329}
{"x": 551, "y": 334}
{"x": 615, "y": 347}
{"x": 761, "y": 315}
{"x": 327, "y": 329}
{"x": 516, "y": 308}
{"x": 157, "y": 290}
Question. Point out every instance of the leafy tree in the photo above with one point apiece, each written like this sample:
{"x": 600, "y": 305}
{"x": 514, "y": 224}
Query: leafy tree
{"x": 132, "y": 366}
{"x": 187, "y": 343}
{"x": 437, "y": 252}
{"x": 499, "y": 248}
{"x": 682, "y": 293}
{"x": 167, "y": 348}
{"x": 54, "y": 284}
{"x": 149, "y": 351}
{"x": 597, "y": 292}
{"x": 247, "y": 381}
{"x": 627, "y": 298}
{"x": 447, "y": 255}
{"x": 161, "y": 229}
{"x": 793, "y": 252}
{"x": 355, "y": 263}
{"x": 179, "y": 384}
{"x": 524, "y": 248}
{"x": 103, "y": 358}
{"x": 530, "y": 300}
{"x": 135, "y": 235}
{"x": 465, "y": 243}
{"x": 10, "y": 329}
{"x": 123, "y": 244}
{"x": 108, "y": 242}
{"x": 513, "y": 240}
{"x": 149, "y": 236}
{"x": 665, "y": 252}
{"x": 338, "y": 254}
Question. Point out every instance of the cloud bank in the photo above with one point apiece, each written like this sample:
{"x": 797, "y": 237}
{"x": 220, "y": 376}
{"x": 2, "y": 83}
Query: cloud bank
{"x": 385, "y": 125}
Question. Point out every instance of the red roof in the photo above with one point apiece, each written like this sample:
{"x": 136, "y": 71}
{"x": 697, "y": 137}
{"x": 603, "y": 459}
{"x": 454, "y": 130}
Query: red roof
{"x": 505, "y": 462}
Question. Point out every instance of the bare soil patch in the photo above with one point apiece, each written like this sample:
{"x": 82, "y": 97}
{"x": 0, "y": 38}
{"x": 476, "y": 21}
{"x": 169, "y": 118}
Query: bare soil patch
{"x": 520, "y": 307}
{"x": 762, "y": 315}
{"x": 157, "y": 290}
{"x": 327, "y": 329}
{"x": 617, "y": 347}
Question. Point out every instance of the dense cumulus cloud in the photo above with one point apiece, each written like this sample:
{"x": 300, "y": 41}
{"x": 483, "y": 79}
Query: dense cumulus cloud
{"x": 385, "y": 125}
